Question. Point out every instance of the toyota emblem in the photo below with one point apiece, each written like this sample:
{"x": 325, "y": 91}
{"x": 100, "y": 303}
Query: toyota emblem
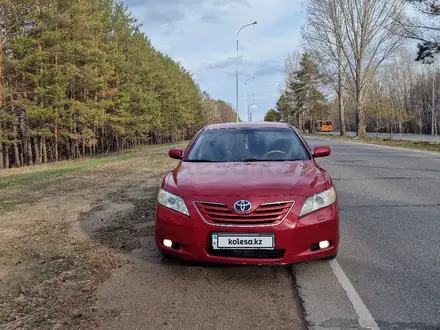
{"x": 242, "y": 206}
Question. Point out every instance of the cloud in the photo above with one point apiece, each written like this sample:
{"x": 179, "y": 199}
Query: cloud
{"x": 173, "y": 11}
{"x": 269, "y": 68}
{"x": 155, "y": 3}
{"x": 221, "y": 64}
{"x": 212, "y": 17}
{"x": 165, "y": 15}
{"x": 202, "y": 35}
{"x": 259, "y": 69}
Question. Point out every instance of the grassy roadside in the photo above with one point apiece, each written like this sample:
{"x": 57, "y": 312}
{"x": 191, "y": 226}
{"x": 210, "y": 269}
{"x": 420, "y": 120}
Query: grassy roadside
{"x": 50, "y": 269}
{"x": 31, "y": 173}
{"x": 26, "y": 182}
{"x": 417, "y": 145}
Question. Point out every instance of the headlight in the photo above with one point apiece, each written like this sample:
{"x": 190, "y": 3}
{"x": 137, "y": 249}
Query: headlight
{"x": 172, "y": 201}
{"x": 318, "y": 201}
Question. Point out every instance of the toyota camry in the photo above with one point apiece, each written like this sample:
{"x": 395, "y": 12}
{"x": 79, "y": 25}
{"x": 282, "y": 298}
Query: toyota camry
{"x": 248, "y": 193}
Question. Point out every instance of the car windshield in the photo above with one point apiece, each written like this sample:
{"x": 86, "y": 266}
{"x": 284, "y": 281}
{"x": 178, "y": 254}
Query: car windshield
{"x": 247, "y": 145}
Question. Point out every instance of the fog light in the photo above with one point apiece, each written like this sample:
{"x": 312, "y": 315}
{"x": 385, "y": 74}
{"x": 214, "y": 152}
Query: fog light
{"x": 324, "y": 244}
{"x": 167, "y": 243}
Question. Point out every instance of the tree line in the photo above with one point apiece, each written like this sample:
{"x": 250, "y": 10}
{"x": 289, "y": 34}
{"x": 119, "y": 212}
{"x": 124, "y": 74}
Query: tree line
{"x": 359, "y": 60}
{"x": 78, "y": 78}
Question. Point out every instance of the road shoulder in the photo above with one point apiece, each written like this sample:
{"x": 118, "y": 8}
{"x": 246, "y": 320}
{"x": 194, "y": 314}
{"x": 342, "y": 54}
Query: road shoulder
{"x": 437, "y": 153}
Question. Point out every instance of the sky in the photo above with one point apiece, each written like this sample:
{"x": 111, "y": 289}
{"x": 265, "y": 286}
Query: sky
{"x": 202, "y": 35}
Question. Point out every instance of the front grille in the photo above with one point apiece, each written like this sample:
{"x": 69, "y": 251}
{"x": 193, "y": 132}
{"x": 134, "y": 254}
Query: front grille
{"x": 249, "y": 254}
{"x": 268, "y": 213}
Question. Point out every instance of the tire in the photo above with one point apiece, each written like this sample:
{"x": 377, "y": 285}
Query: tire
{"x": 166, "y": 256}
{"x": 331, "y": 257}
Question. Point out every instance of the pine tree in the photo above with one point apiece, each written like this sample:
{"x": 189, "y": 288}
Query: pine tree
{"x": 308, "y": 103}
{"x": 79, "y": 78}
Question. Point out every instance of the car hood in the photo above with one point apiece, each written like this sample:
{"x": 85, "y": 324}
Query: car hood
{"x": 247, "y": 179}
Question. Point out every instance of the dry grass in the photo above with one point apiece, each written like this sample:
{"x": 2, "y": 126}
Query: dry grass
{"x": 84, "y": 162}
{"x": 50, "y": 267}
{"x": 28, "y": 185}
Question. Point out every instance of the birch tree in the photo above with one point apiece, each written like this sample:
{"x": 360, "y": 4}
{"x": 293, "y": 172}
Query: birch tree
{"x": 371, "y": 35}
{"x": 323, "y": 35}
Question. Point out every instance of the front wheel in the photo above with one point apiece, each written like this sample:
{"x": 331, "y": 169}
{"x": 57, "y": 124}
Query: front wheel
{"x": 331, "y": 257}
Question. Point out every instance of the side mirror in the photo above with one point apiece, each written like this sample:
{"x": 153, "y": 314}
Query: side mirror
{"x": 321, "y": 151}
{"x": 175, "y": 153}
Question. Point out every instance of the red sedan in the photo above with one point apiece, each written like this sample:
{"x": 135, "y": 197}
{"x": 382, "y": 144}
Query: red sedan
{"x": 248, "y": 193}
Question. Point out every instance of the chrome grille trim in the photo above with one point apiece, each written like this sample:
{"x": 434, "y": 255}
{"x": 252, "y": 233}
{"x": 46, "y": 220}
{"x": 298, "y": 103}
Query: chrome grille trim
{"x": 241, "y": 224}
{"x": 211, "y": 203}
{"x": 277, "y": 203}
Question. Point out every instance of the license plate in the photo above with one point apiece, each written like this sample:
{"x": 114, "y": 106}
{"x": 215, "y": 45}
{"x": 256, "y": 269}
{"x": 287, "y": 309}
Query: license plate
{"x": 243, "y": 241}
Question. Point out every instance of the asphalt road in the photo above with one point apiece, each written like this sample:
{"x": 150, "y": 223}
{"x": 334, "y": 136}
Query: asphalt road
{"x": 390, "y": 245}
{"x": 397, "y": 136}
{"x": 386, "y": 276}
{"x": 150, "y": 292}
{"x": 156, "y": 295}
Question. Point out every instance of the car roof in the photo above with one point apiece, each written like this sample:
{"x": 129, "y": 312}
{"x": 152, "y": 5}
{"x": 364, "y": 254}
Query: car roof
{"x": 236, "y": 125}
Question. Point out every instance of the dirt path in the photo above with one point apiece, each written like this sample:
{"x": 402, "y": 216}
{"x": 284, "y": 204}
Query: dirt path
{"x": 77, "y": 251}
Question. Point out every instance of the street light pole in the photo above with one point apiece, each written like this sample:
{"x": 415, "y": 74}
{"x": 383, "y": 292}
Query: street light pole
{"x": 250, "y": 111}
{"x": 245, "y": 94}
{"x": 236, "y": 73}
{"x": 247, "y": 99}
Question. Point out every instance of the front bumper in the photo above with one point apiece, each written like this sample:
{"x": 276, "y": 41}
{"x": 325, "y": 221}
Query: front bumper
{"x": 295, "y": 238}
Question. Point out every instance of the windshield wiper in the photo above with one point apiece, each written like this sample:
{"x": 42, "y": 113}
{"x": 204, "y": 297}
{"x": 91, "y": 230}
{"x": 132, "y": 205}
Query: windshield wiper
{"x": 223, "y": 161}
{"x": 246, "y": 160}
{"x": 249, "y": 160}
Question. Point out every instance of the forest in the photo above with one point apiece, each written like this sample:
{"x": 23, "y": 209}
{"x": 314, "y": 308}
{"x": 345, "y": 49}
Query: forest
{"x": 78, "y": 78}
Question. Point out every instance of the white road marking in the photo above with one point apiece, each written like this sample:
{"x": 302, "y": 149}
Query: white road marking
{"x": 365, "y": 318}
